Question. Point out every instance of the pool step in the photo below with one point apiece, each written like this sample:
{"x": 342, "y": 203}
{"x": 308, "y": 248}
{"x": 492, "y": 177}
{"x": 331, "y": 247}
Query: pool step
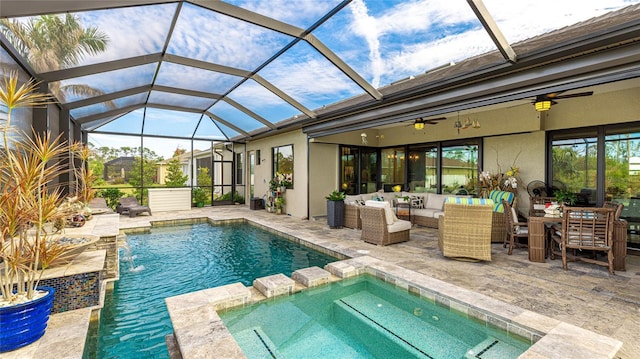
{"x": 492, "y": 348}
{"x": 257, "y": 344}
{"x": 415, "y": 335}
{"x": 281, "y": 322}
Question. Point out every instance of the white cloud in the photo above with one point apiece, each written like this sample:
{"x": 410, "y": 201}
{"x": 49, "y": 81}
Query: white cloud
{"x": 365, "y": 25}
{"x": 298, "y": 13}
{"x": 410, "y": 37}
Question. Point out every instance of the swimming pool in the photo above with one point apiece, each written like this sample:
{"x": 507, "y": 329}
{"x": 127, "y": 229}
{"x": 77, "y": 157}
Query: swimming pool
{"x": 363, "y": 318}
{"x": 174, "y": 260}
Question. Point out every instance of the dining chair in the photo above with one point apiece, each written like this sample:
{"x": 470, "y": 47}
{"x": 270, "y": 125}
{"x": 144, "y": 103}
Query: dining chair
{"x": 516, "y": 230}
{"x": 616, "y": 207}
{"x": 586, "y": 229}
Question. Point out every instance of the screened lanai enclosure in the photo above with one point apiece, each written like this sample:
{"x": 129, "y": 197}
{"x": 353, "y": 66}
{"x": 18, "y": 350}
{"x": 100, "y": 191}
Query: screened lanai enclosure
{"x": 168, "y": 93}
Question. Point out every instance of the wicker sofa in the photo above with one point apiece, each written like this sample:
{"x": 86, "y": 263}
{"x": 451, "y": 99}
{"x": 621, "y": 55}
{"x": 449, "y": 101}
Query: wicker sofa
{"x": 425, "y": 207}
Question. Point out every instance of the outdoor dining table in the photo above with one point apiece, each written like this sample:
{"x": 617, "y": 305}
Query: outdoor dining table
{"x": 538, "y": 237}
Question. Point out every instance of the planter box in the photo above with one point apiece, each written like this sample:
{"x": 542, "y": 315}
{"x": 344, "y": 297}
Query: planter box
{"x": 169, "y": 199}
{"x": 335, "y": 214}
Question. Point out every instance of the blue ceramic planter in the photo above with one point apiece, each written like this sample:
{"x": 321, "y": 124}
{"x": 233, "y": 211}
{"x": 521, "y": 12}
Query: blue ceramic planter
{"x": 25, "y": 323}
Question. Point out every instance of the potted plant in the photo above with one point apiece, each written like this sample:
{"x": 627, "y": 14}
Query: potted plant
{"x": 565, "y": 197}
{"x": 199, "y": 196}
{"x": 335, "y": 209}
{"x": 274, "y": 184}
{"x": 279, "y": 205}
{"x": 29, "y": 202}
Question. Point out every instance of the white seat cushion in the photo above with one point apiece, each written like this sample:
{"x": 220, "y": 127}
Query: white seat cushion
{"x": 426, "y": 212}
{"x": 398, "y": 226}
{"x": 514, "y": 216}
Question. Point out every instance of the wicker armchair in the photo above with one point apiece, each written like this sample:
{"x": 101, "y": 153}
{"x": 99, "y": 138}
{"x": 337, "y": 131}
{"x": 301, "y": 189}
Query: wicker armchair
{"x": 498, "y": 220}
{"x": 352, "y": 216}
{"x": 465, "y": 229}
{"x": 379, "y": 225}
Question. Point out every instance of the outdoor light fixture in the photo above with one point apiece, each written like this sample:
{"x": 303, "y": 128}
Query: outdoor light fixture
{"x": 364, "y": 138}
{"x": 418, "y": 125}
{"x": 543, "y": 105}
{"x": 458, "y": 125}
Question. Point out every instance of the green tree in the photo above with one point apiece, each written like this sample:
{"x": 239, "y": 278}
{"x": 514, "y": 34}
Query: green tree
{"x": 204, "y": 181}
{"x": 52, "y": 42}
{"x": 143, "y": 173}
{"x": 204, "y": 178}
{"x": 175, "y": 178}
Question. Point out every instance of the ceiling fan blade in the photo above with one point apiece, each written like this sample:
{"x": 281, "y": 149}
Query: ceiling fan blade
{"x": 431, "y": 121}
{"x": 579, "y": 94}
{"x": 553, "y": 94}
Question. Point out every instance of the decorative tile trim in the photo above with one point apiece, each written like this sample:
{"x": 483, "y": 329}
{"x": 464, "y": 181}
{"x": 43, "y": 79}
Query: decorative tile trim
{"x": 75, "y": 291}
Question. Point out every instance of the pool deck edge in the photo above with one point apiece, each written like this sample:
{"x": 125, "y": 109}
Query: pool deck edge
{"x": 197, "y": 324}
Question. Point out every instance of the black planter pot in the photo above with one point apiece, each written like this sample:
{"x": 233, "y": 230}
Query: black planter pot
{"x": 335, "y": 214}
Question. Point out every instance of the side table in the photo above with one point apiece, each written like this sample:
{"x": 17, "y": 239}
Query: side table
{"x": 403, "y": 211}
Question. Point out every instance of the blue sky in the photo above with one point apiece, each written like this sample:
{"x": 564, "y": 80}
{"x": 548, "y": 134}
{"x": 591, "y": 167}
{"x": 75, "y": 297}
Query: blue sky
{"x": 383, "y": 40}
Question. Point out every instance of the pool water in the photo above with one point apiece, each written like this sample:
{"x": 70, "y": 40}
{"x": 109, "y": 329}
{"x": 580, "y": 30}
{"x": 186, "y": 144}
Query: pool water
{"x": 177, "y": 260}
{"x": 363, "y": 318}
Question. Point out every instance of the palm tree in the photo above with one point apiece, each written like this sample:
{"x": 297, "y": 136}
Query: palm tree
{"x": 52, "y": 42}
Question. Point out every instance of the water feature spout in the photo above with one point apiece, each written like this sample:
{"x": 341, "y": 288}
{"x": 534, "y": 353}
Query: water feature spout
{"x": 128, "y": 256}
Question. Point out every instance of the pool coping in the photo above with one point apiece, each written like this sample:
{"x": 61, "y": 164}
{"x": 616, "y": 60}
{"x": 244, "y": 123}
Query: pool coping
{"x": 199, "y": 330}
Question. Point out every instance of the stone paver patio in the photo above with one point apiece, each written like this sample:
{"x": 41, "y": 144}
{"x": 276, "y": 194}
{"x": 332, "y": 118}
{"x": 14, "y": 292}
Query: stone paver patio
{"x": 585, "y": 295}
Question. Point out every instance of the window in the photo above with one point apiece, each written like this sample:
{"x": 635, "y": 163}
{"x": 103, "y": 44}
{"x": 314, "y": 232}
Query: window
{"x": 283, "y": 161}
{"x": 392, "y": 173}
{"x": 451, "y": 167}
{"x": 239, "y": 168}
{"x": 349, "y": 169}
{"x": 460, "y": 168}
{"x": 622, "y": 167}
{"x": 599, "y": 164}
{"x": 574, "y": 166}
{"x": 423, "y": 169}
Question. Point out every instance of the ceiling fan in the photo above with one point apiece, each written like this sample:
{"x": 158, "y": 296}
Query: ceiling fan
{"x": 419, "y": 123}
{"x": 544, "y": 102}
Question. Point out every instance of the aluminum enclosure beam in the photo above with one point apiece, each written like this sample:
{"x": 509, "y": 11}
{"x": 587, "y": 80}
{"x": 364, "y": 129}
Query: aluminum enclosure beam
{"x": 493, "y": 30}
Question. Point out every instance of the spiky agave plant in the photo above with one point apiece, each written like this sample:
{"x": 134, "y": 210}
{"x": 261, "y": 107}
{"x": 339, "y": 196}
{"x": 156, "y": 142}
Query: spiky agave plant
{"x": 27, "y": 201}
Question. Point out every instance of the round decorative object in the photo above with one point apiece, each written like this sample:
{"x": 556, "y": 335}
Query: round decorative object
{"x": 78, "y": 220}
{"x": 25, "y": 323}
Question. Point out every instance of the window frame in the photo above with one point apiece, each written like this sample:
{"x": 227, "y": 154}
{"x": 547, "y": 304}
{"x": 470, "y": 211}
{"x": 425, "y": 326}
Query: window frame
{"x": 275, "y": 165}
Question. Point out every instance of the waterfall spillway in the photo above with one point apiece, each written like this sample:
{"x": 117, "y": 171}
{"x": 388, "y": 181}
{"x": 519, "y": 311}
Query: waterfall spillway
{"x": 128, "y": 256}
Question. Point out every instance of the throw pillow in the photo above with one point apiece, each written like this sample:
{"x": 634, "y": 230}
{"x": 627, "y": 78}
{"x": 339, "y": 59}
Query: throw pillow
{"x": 417, "y": 202}
{"x": 436, "y": 201}
{"x": 514, "y": 215}
{"x": 359, "y": 202}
